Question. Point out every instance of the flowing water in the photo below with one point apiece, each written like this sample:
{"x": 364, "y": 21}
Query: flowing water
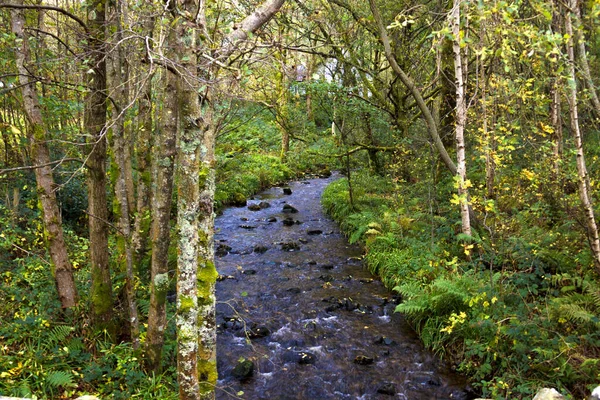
{"x": 295, "y": 299}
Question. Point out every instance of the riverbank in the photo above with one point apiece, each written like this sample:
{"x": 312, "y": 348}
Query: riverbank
{"x": 513, "y": 316}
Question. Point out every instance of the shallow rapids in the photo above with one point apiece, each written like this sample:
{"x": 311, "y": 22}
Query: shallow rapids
{"x": 300, "y": 317}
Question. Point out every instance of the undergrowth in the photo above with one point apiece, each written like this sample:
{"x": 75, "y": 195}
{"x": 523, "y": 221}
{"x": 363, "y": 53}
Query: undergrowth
{"x": 512, "y": 312}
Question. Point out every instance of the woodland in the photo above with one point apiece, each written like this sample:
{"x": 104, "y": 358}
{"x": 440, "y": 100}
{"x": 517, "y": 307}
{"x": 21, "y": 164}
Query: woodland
{"x": 467, "y": 130}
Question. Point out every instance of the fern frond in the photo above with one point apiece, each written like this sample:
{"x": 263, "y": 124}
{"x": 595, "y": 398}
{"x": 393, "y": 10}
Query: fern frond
{"x": 60, "y": 379}
{"x": 57, "y": 335}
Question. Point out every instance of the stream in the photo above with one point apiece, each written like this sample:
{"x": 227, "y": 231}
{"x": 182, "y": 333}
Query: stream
{"x": 295, "y": 301}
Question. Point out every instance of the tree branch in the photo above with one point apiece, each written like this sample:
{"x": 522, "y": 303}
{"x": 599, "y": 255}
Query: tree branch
{"x": 27, "y": 167}
{"x": 249, "y": 25}
{"x": 51, "y": 8}
{"x": 408, "y": 82}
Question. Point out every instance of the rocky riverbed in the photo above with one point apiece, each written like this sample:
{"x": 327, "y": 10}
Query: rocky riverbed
{"x": 300, "y": 317}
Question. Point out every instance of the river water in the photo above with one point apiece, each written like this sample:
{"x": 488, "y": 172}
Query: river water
{"x": 295, "y": 300}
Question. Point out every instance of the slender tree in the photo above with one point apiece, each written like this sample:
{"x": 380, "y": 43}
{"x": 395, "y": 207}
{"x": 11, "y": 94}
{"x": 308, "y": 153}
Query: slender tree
{"x": 584, "y": 181}
{"x": 461, "y": 119}
{"x": 95, "y": 125}
{"x": 37, "y": 136}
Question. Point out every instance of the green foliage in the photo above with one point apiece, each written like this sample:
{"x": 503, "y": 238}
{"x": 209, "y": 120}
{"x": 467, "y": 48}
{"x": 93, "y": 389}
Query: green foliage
{"x": 515, "y": 316}
{"x": 240, "y": 176}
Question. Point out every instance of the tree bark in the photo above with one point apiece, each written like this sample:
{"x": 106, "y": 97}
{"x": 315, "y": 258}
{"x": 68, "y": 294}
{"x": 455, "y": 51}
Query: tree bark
{"x": 37, "y": 136}
{"x": 584, "y": 185}
{"x": 461, "y": 120}
{"x": 144, "y": 143}
{"x": 119, "y": 76}
{"x": 585, "y": 66}
{"x": 161, "y": 212}
{"x": 95, "y": 123}
{"x": 188, "y": 207}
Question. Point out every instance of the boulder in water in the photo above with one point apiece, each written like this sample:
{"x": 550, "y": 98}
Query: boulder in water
{"x": 385, "y": 341}
{"x": 363, "y": 360}
{"x": 425, "y": 379}
{"x": 271, "y": 219}
{"x": 258, "y": 331}
{"x": 222, "y": 250}
{"x": 299, "y": 357}
{"x": 287, "y": 190}
{"x": 263, "y": 204}
{"x": 387, "y": 388}
{"x": 289, "y": 222}
{"x": 243, "y": 370}
{"x": 289, "y": 209}
{"x": 254, "y": 207}
{"x": 249, "y": 272}
{"x": 260, "y": 249}
{"x": 290, "y": 246}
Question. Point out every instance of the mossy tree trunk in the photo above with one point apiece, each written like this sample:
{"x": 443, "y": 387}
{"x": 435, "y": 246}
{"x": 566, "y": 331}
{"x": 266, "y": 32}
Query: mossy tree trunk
{"x": 40, "y": 154}
{"x": 188, "y": 204}
{"x": 119, "y": 78}
{"x": 196, "y": 273}
{"x": 95, "y": 124}
{"x": 161, "y": 211}
{"x": 144, "y": 143}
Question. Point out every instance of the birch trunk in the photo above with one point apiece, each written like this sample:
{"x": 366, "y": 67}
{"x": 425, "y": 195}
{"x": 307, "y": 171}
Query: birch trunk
{"x": 61, "y": 266}
{"x": 585, "y": 66}
{"x": 584, "y": 186}
{"x": 461, "y": 120}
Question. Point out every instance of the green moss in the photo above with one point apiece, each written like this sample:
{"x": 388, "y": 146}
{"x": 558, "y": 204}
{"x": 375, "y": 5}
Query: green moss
{"x": 208, "y": 273}
{"x": 203, "y": 177}
{"x": 207, "y": 276}
{"x": 207, "y": 373}
{"x": 185, "y": 304}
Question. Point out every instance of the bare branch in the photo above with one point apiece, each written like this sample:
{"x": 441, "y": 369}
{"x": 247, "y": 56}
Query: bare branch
{"x": 43, "y": 7}
{"x": 28, "y": 167}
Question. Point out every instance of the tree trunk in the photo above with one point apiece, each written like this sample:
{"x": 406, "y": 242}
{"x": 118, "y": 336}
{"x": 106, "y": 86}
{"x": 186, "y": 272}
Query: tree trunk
{"x": 557, "y": 127}
{"x": 144, "y": 142}
{"x": 461, "y": 120}
{"x": 37, "y": 136}
{"x": 188, "y": 208}
{"x": 161, "y": 212}
{"x": 585, "y": 66}
{"x": 119, "y": 76}
{"x": 95, "y": 124}
{"x": 196, "y": 272}
{"x": 584, "y": 185}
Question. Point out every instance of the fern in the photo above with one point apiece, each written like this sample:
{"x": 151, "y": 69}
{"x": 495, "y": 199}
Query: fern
{"x": 56, "y": 336}
{"x": 579, "y": 308}
{"x": 58, "y": 379}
